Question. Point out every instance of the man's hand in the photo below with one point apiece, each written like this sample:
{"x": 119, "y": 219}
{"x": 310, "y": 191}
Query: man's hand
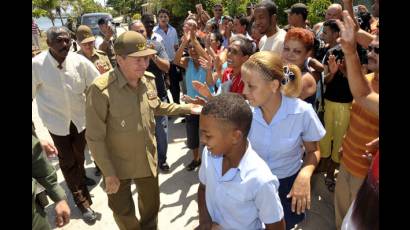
{"x": 347, "y": 37}
{"x": 333, "y": 65}
{"x": 101, "y": 67}
{"x": 112, "y": 184}
{"x": 196, "y": 109}
{"x": 371, "y": 148}
{"x": 62, "y": 213}
{"x": 198, "y": 100}
{"x": 49, "y": 149}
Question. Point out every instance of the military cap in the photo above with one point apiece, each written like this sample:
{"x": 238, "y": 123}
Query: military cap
{"x": 84, "y": 34}
{"x": 133, "y": 44}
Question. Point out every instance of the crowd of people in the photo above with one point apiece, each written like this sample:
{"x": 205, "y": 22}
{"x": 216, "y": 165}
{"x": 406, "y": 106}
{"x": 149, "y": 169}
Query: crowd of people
{"x": 272, "y": 106}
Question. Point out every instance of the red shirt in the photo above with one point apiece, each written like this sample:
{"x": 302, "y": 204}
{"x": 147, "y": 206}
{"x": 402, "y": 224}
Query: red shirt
{"x": 237, "y": 83}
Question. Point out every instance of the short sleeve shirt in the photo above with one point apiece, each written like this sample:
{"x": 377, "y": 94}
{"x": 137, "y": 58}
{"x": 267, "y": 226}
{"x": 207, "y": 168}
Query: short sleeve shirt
{"x": 280, "y": 143}
{"x": 244, "y": 197}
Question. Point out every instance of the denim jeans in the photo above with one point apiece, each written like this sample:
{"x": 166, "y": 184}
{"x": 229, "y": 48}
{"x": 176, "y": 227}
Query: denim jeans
{"x": 161, "y": 134}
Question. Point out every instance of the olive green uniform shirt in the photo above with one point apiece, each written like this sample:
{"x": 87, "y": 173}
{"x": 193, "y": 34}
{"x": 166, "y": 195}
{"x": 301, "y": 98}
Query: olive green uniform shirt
{"x": 44, "y": 173}
{"x": 98, "y": 58}
{"x": 120, "y": 124}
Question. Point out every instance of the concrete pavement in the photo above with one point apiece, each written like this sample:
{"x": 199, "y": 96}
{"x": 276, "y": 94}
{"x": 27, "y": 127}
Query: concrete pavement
{"x": 178, "y": 208}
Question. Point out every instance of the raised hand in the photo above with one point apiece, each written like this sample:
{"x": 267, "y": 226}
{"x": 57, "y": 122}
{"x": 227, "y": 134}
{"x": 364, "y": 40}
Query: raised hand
{"x": 347, "y": 37}
{"x": 333, "y": 65}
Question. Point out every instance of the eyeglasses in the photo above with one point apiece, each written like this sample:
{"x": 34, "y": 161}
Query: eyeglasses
{"x": 374, "y": 49}
{"x": 140, "y": 31}
{"x": 234, "y": 51}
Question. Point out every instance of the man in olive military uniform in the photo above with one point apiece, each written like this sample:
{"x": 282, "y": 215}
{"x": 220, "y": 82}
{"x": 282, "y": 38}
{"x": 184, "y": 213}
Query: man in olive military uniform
{"x": 86, "y": 40}
{"x": 45, "y": 174}
{"x": 120, "y": 109}
{"x": 106, "y": 38}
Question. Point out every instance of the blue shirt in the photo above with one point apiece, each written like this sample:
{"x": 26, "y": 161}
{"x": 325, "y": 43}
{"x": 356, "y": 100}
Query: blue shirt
{"x": 280, "y": 143}
{"x": 170, "y": 39}
{"x": 243, "y": 198}
{"x": 194, "y": 74}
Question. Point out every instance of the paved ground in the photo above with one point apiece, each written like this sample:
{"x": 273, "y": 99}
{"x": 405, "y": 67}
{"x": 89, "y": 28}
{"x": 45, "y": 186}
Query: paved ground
{"x": 178, "y": 209}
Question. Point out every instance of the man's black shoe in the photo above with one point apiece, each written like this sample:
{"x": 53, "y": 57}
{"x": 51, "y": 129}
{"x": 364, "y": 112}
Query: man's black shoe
{"x": 89, "y": 182}
{"x": 164, "y": 167}
{"x": 89, "y": 216}
{"x": 193, "y": 165}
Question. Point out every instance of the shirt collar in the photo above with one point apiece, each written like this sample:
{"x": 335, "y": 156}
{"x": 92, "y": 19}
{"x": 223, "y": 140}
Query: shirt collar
{"x": 92, "y": 55}
{"x": 55, "y": 62}
{"x": 288, "y": 106}
{"x": 122, "y": 81}
{"x": 244, "y": 166}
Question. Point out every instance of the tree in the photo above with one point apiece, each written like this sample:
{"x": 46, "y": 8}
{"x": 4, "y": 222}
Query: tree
{"x": 44, "y": 8}
{"x": 317, "y": 10}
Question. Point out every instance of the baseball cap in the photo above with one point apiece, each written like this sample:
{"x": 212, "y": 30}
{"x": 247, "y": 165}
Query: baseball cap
{"x": 132, "y": 44}
{"x": 298, "y": 8}
{"x": 84, "y": 34}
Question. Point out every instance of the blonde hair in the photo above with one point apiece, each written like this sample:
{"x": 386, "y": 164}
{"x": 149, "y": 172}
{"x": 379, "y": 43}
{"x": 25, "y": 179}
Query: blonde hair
{"x": 270, "y": 66}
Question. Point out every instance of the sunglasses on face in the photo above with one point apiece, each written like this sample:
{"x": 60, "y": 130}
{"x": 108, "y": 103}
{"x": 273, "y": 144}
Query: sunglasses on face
{"x": 234, "y": 51}
{"x": 374, "y": 49}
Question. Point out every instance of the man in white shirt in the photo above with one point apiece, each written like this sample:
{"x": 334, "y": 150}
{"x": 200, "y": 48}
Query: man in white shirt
{"x": 59, "y": 81}
{"x": 265, "y": 20}
{"x": 171, "y": 43}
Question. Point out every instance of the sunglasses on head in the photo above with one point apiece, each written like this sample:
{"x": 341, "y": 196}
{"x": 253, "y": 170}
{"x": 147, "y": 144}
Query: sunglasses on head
{"x": 374, "y": 49}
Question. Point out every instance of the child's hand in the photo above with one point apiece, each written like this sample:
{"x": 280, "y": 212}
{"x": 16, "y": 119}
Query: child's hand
{"x": 202, "y": 88}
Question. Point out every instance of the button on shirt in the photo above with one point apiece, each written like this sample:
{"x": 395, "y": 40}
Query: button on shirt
{"x": 244, "y": 197}
{"x": 280, "y": 143}
{"x": 170, "y": 39}
{"x": 60, "y": 93}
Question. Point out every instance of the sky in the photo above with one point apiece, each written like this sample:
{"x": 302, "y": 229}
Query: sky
{"x": 101, "y": 2}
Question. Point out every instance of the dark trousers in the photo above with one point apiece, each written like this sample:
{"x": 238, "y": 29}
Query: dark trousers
{"x": 174, "y": 79}
{"x": 71, "y": 159}
{"x": 291, "y": 218}
{"x": 122, "y": 204}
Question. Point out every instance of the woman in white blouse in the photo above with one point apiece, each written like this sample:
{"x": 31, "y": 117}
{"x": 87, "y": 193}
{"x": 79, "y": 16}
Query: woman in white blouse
{"x": 285, "y": 130}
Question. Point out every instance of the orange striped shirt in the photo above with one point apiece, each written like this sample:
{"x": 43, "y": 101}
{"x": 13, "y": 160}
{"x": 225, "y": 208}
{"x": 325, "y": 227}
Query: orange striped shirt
{"x": 363, "y": 128}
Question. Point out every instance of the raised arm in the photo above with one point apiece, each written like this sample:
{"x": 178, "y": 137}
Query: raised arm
{"x": 178, "y": 60}
{"x": 361, "y": 91}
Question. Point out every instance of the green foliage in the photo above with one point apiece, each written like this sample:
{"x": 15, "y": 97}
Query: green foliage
{"x": 317, "y": 10}
{"x": 36, "y": 13}
{"x": 44, "y": 8}
{"x": 136, "y": 16}
{"x": 282, "y": 17}
{"x": 125, "y": 7}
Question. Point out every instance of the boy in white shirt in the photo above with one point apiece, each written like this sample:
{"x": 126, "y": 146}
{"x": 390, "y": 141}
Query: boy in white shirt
{"x": 237, "y": 189}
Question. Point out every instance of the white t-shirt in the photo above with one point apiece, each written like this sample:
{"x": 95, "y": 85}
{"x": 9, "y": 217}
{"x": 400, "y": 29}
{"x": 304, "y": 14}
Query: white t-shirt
{"x": 274, "y": 42}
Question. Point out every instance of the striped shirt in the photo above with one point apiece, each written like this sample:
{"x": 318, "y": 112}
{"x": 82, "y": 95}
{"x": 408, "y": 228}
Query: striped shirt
{"x": 34, "y": 28}
{"x": 363, "y": 128}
